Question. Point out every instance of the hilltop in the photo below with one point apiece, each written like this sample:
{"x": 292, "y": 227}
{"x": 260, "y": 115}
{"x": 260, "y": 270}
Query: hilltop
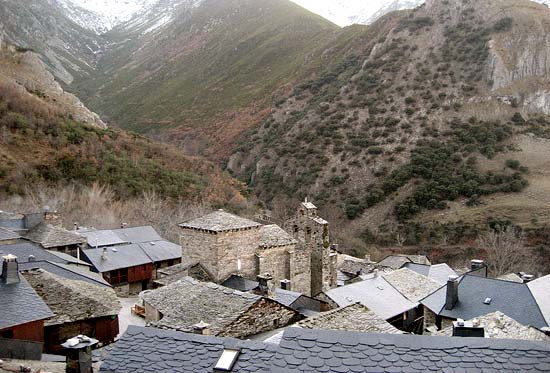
{"x": 419, "y": 128}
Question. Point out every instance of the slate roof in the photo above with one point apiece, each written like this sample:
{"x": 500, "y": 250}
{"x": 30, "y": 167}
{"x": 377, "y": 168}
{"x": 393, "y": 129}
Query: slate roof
{"x": 397, "y": 261}
{"x": 240, "y": 283}
{"x": 23, "y": 249}
{"x": 354, "y": 317}
{"x": 274, "y": 236}
{"x": 72, "y": 300}
{"x": 511, "y": 298}
{"x": 117, "y": 257}
{"x": 187, "y": 302}
{"x": 138, "y": 234}
{"x": 162, "y": 250}
{"x": 20, "y": 304}
{"x": 101, "y": 238}
{"x": 179, "y": 271}
{"x": 286, "y": 297}
{"x": 220, "y": 221}
{"x": 376, "y": 294}
{"x": 498, "y": 325}
{"x": 69, "y": 271}
{"x": 540, "y": 289}
{"x": 354, "y": 266}
{"x": 142, "y": 350}
{"x": 50, "y": 236}
{"x": 438, "y": 272}
{"x": 412, "y": 285}
{"x": 305, "y": 350}
{"x": 6, "y": 234}
{"x": 511, "y": 277}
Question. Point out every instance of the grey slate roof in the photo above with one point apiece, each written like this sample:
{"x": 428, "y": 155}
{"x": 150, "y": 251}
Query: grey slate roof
{"x": 397, "y": 261}
{"x": 69, "y": 271}
{"x": 273, "y": 236}
{"x": 117, "y": 257}
{"x": 376, "y": 294}
{"x": 72, "y": 300}
{"x": 161, "y": 250}
{"x": 23, "y": 249}
{"x": 438, "y": 272}
{"x": 142, "y": 350}
{"x": 50, "y": 236}
{"x": 305, "y": 350}
{"x": 513, "y": 299}
{"x": 540, "y": 289}
{"x": 6, "y": 234}
{"x": 498, "y": 325}
{"x": 412, "y": 285}
{"x": 20, "y": 304}
{"x": 187, "y": 302}
{"x": 286, "y": 297}
{"x": 240, "y": 283}
{"x": 101, "y": 238}
{"x": 138, "y": 234}
{"x": 220, "y": 221}
{"x": 354, "y": 317}
{"x": 511, "y": 277}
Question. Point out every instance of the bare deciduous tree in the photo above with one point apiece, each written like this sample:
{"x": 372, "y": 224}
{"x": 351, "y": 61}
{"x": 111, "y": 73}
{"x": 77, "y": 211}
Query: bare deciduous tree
{"x": 506, "y": 251}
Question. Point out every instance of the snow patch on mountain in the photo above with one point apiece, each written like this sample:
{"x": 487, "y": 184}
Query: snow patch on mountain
{"x": 348, "y": 12}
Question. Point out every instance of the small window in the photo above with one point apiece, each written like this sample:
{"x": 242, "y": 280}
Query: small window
{"x": 227, "y": 360}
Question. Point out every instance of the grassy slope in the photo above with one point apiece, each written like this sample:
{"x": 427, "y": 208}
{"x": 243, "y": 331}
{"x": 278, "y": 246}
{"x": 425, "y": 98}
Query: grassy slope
{"x": 228, "y": 56}
{"x": 40, "y": 143}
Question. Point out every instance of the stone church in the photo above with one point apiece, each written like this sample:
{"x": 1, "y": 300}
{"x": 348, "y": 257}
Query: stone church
{"x": 298, "y": 258}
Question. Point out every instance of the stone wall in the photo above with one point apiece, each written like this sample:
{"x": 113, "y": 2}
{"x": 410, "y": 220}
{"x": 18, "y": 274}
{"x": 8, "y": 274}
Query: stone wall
{"x": 122, "y": 290}
{"x": 276, "y": 262}
{"x": 262, "y": 317}
{"x": 235, "y": 245}
{"x": 300, "y": 271}
{"x": 200, "y": 246}
{"x": 151, "y": 313}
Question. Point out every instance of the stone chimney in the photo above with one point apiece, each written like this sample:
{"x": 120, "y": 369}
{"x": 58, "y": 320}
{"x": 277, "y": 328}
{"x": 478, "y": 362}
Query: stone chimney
{"x": 202, "y": 328}
{"x": 10, "y": 269}
{"x": 79, "y": 354}
{"x": 472, "y": 328}
{"x": 285, "y": 284}
{"x": 526, "y": 277}
{"x": 32, "y": 258}
{"x": 452, "y": 292}
{"x": 104, "y": 254}
{"x": 476, "y": 264}
{"x": 265, "y": 286}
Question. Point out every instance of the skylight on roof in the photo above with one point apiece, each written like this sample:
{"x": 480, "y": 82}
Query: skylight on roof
{"x": 488, "y": 301}
{"x": 227, "y": 360}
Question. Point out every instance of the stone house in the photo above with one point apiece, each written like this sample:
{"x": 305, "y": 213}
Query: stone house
{"x": 79, "y": 307}
{"x": 22, "y": 310}
{"x": 56, "y": 238}
{"x": 188, "y": 304}
{"x": 471, "y": 296}
{"x": 226, "y": 244}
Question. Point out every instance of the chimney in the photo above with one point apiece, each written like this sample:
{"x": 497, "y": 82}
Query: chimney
{"x": 526, "y": 277}
{"x": 265, "y": 287}
{"x": 476, "y": 264}
{"x": 32, "y": 258}
{"x": 79, "y": 354}
{"x": 123, "y": 225}
{"x": 104, "y": 254}
{"x": 75, "y": 224}
{"x": 202, "y": 328}
{"x": 472, "y": 328}
{"x": 285, "y": 284}
{"x": 452, "y": 292}
{"x": 10, "y": 270}
{"x": 367, "y": 258}
{"x": 375, "y": 273}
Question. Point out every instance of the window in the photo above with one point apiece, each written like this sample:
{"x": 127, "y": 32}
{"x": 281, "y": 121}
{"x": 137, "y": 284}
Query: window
{"x": 227, "y": 360}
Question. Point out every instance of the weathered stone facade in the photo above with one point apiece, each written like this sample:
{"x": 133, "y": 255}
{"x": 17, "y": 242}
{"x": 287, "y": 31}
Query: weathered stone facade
{"x": 312, "y": 233}
{"x": 226, "y": 244}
